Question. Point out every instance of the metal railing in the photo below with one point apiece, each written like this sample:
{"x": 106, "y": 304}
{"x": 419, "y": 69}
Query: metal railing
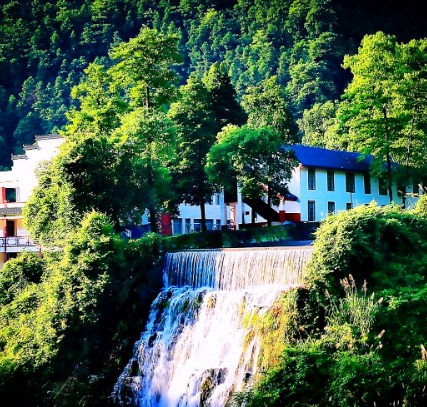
{"x": 16, "y": 241}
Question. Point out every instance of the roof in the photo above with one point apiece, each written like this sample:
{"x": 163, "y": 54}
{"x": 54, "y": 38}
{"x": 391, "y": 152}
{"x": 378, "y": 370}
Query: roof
{"x": 39, "y": 137}
{"x": 26, "y": 147}
{"x": 18, "y": 157}
{"x": 331, "y": 159}
{"x": 11, "y": 211}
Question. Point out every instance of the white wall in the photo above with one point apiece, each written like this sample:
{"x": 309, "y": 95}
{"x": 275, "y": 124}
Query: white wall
{"x": 321, "y": 195}
{"x": 22, "y": 175}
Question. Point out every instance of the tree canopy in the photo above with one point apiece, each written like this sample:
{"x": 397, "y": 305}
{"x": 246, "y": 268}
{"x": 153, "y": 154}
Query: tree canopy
{"x": 256, "y": 158}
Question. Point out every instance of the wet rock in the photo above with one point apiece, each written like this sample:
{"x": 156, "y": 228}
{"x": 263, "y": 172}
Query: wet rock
{"x": 210, "y": 379}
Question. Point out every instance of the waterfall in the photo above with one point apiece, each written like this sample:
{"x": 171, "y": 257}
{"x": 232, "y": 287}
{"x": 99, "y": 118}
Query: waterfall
{"x": 195, "y": 349}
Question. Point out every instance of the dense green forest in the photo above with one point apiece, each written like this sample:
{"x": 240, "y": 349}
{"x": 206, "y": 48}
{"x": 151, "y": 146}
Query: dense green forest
{"x": 46, "y": 45}
{"x": 230, "y": 73}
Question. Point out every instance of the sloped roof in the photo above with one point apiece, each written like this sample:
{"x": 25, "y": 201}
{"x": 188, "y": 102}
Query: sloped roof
{"x": 11, "y": 211}
{"x": 40, "y": 137}
{"x": 331, "y": 159}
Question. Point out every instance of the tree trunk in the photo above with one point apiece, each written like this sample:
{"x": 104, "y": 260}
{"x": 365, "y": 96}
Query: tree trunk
{"x": 253, "y": 215}
{"x": 153, "y": 220}
{"x": 387, "y": 137}
{"x": 203, "y": 215}
{"x": 269, "y": 204}
{"x": 153, "y": 212}
{"x": 390, "y": 190}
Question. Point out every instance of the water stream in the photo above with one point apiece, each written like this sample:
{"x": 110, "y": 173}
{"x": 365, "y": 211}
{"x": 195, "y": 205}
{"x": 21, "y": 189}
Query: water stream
{"x": 193, "y": 351}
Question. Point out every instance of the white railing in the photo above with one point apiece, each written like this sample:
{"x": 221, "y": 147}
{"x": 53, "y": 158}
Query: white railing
{"x": 16, "y": 241}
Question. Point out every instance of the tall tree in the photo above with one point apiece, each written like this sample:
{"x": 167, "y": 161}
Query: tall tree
{"x": 144, "y": 72}
{"x": 144, "y": 68}
{"x": 266, "y": 106}
{"x": 115, "y": 151}
{"x": 196, "y": 133}
{"x": 384, "y": 107}
{"x": 225, "y": 107}
{"x": 367, "y": 111}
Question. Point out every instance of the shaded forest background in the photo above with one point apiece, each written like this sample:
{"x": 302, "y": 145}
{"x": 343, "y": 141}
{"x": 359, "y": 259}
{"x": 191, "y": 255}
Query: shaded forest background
{"x": 46, "y": 45}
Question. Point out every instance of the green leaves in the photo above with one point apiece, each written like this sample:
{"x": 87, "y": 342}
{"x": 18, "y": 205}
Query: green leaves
{"x": 257, "y": 158}
{"x": 384, "y": 113}
{"x": 144, "y": 68}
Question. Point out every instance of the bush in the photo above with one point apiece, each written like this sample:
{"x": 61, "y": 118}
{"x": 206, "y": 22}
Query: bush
{"x": 361, "y": 349}
{"x": 386, "y": 246}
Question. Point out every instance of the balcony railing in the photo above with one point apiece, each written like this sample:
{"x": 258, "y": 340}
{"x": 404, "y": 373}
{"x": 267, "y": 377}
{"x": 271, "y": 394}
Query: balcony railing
{"x": 16, "y": 241}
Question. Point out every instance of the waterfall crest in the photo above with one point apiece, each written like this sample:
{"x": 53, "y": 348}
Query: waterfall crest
{"x": 236, "y": 269}
{"x": 195, "y": 349}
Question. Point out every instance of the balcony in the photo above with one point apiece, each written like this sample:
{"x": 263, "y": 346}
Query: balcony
{"x": 16, "y": 243}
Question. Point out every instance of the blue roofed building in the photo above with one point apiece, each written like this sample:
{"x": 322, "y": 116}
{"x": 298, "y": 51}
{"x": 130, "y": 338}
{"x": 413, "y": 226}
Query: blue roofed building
{"x": 328, "y": 181}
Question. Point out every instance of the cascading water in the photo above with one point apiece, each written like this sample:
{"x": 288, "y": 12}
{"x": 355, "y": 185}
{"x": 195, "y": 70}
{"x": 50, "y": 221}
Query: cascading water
{"x": 194, "y": 350}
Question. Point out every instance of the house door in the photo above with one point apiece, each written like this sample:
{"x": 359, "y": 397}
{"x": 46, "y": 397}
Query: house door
{"x": 10, "y": 225}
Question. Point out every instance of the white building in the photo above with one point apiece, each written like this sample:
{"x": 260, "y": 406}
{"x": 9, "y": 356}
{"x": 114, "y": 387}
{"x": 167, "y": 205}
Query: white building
{"x": 16, "y": 186}
{"x": 324, "y": 181}
{"x": 330, "y": 181}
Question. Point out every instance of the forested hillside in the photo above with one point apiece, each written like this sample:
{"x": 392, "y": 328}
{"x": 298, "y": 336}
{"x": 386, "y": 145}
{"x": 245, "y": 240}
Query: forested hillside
{"x": 46, "y": 45}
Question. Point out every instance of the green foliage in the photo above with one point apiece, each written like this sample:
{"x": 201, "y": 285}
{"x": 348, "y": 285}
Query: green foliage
{"x": 45, "y": 45}
{"x": 383, "y": 112}
{"x": 42, "y": 298}
{"x": 256, "y": 158}
{"x": 203, "y": 108}
{"x": 267, "y": 107}
{"x": 219, "y": 239}
{"x": 317, "y": 126}
{"x": 114, "y": 147}
{"x": 421, "y": 206}
{"x": 352, "y": 348}
{"x": 372, "y": 244}
{"x": 143, "y": 71}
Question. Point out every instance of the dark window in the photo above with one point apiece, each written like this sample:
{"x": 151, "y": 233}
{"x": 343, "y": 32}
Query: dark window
{"x": 197, "y": 225}
{"x": 382, "y": 186}
{"x": 209, "y": 224}
{"x": 331, "y": 207}
{"x": 331, "y": 181}
{"x": 367, "y": 182}
{"x": 10, "y": 194}
{"x": 349, "y": 205}
{"x": 218, "y": 224}
{"x": 311, "y": 211}
{"x": 10, "y": 225}
{"x": 349, "y": 182}
{"x": 311, "y": 179}
{"x": 177, "y": 226}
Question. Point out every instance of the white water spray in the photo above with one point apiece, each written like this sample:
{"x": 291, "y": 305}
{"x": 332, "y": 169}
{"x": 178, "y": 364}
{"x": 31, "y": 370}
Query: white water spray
{"x": 193, "y": 351}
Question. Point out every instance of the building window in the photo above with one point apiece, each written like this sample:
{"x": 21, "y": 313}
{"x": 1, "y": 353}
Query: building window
{"x": 177, "y": 226}
{"x": 218, "y": 224}
{"x": 382, "y": 186}
{"x": 311, "y": 211}
{"x": 367, "y": 182}
{"x": 209, "y": 224}
{"x": 311, "y": 179}
{"x": 197, "y": 225}
{"x": 349, "y": 205}
{"x": 331, "y": 181}
{"x": 10, "y": 194}
{"x": 349, "y": 182}
{"x": 331, "y": 207}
